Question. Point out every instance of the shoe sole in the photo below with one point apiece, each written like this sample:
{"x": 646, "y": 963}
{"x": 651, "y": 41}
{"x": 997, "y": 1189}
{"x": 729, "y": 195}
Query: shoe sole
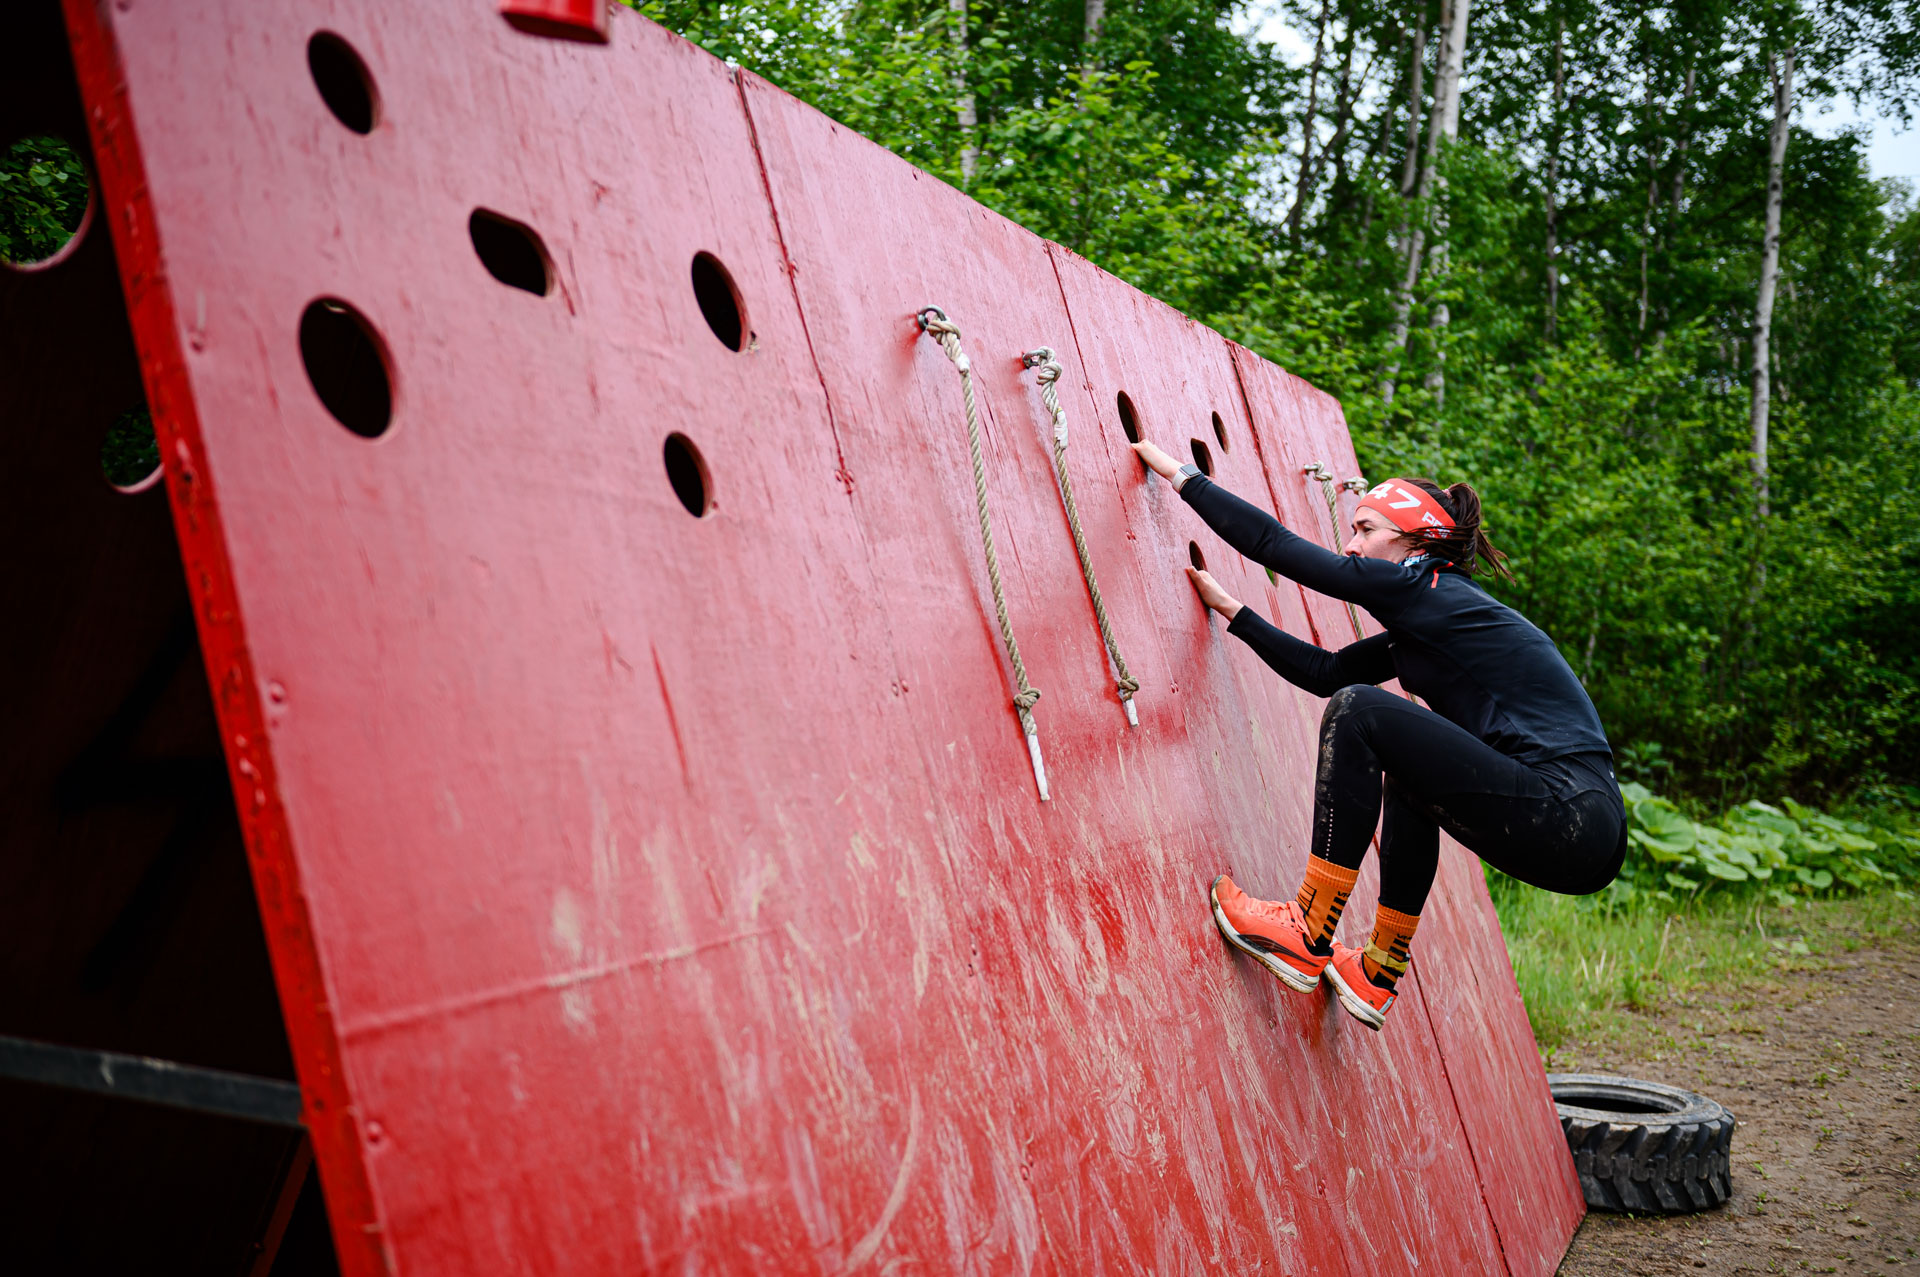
{"x": 1356, "y": 1006}
{"x": 1288, "y": 976}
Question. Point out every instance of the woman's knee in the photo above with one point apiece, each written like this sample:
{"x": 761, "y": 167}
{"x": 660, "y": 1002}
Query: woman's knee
{"x": 1351, "y": 703}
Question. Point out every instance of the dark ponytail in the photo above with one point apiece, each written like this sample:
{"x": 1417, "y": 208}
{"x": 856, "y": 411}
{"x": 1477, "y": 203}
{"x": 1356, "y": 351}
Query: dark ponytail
{"x": 1465, "y": 545}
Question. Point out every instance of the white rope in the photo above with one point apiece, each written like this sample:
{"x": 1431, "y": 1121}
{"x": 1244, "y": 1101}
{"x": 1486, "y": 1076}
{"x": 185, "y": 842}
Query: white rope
{"x": 1049, "y": 372}
{"x": 934, "y": 322}
{"x": 1330, "y": 489}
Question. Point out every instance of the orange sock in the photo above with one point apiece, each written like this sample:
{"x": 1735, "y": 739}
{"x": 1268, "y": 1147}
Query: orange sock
{"x": 1391, "y": 948}
{"x": 1323, "y": 894}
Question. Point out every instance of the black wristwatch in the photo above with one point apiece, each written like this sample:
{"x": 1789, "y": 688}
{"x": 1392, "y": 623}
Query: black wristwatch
{"x": 1183, "y": 474}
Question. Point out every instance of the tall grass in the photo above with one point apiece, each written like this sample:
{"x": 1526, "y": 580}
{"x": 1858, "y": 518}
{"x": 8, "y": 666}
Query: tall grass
{"x": 1591, "y": 970}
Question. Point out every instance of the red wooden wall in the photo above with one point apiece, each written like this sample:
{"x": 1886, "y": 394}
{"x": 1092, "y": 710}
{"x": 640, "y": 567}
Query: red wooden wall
{"x": 654, "y": 892}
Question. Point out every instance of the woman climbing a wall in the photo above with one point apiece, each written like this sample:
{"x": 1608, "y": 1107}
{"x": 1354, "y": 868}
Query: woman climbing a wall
{"x": 1510, "y": 759}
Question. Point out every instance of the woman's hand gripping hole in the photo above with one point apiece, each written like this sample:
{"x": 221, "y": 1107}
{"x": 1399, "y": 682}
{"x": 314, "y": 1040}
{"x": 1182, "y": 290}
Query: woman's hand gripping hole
{"x": 1212, "y": 595}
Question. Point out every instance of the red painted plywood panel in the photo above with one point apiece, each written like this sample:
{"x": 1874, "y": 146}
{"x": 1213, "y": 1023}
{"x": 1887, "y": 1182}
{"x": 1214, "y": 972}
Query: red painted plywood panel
{"x": 1094, "y": 940}
{"x": 1481, "y": 1026}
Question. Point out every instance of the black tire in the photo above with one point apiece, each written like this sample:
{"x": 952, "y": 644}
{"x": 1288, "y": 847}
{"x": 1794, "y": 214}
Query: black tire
{"x": 1644, "y": 1147}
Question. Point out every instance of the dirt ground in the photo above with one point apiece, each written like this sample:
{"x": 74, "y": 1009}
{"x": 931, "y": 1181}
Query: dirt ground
{"x": 1822, "y": 1070}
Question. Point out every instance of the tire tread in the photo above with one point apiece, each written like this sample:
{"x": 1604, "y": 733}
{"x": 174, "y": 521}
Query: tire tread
{"x": 1667, "y": 1164}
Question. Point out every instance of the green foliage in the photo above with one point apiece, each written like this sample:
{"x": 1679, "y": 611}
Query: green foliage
{"x": 1758, "y": 850}
{"x": 43, "y": 196}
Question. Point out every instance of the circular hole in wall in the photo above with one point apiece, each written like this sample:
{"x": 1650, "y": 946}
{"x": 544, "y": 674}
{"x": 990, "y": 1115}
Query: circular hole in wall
{"x": 347, "y": 366}
{"x": 1195, "y": 557}
{"x": 130, "y": 455}
{"x": 687, "y": 472}
{"x": 46, "y": 197}
{"x": 1220, "y": 431}
{"x": 1203, "y": 457}
{"x": 719, "y": 301}
{"x": 1129, "y": 419}
{"x": 343, "y": 81}
{"x": 510, "y": 250}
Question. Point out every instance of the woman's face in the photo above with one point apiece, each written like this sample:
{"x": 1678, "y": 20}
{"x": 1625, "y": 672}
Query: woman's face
{"x": 1375, "y": 538}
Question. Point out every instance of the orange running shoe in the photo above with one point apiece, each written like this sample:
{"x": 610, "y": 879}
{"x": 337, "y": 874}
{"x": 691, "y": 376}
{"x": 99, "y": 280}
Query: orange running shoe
{"x": 1273, "y": 931}
{"x": 1364, "y": 1000}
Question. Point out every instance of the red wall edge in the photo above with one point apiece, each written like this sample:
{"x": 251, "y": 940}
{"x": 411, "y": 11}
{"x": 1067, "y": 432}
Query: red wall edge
{"x": 329, "y": 1115}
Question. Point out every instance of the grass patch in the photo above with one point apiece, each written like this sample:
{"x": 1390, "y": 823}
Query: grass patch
{"x": 1591, "y": 971}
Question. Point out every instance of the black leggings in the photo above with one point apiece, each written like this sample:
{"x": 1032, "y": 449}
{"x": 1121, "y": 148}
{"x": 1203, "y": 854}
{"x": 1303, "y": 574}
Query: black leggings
{"x": 1559, "y": 825}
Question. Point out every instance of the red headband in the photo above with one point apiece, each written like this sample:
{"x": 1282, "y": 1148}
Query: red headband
{"x": 1406, "y": 506}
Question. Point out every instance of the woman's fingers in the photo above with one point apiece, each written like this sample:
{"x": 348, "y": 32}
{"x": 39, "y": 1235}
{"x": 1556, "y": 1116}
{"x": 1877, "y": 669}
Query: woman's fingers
{"x": 1155, "y": 459}
{"x": 1211, "y": 594}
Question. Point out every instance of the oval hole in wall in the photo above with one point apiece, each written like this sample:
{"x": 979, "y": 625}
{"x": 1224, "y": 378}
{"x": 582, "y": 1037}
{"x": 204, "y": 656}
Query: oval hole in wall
{"x": 1203, "y": 457}
{"x": 719, "y": 300}
{"x": 129, "y": 455}
{"x": 347, "y": 366}
{"x": 48, "y": 190}
{"x": 344, "y": 83}
{"x": 1193, "y": 553}
{"x": 687, "y": 472}
{"x": 1129, "y": 419}
{"x": 511, "y": 251}
{"x": 1220, "y": 431}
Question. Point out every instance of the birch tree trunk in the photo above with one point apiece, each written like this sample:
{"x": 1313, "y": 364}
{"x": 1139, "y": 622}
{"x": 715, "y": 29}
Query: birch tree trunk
{"x": 1409, "y": 171}
{"x": 1683, "y": 128}
{"x": 1646, "y": 237}
{"x": 1096, "y": 15}
{"x": 1346, "y": 95}
{"x": 1413, "y": 179}
{"x": 1553, "y": 180}
{"x": 1780, "y": 72}
{"x": 1375, "y": 149}
{"x": 1313, "y": 112}
{"x": 962, "y": 95}
{"x": 1446, "y": 91}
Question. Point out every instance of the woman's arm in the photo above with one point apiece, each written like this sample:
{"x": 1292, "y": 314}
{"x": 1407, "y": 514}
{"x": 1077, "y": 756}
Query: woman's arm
{"x": 1312, "y": 669}
{"x": 1260, "y": 537}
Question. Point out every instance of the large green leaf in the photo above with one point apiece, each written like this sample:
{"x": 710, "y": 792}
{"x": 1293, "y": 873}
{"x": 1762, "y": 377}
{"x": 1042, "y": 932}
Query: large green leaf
{"x": 1757, "y": 815}
{"x": 1660, "y": 851}
{"x": 1663, "y": 828}
{"x": 1768, "y": 849}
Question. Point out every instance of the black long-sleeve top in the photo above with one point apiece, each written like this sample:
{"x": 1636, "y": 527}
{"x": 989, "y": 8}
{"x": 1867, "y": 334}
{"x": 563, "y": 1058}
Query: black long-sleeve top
{"x": 1474, "y": 660}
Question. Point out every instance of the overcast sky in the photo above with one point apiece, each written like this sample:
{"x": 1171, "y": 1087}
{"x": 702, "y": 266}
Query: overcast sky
{"x": 1890, "y": 153}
